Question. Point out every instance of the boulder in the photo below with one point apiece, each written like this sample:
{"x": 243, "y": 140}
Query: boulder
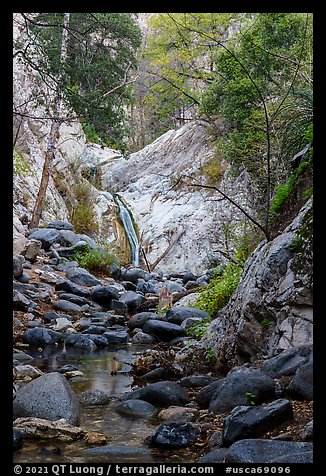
{"x": 24, "y": 277}
{"x": 136, "y": 409}
{"x": 82, "y": 277}
{"x": 287, "y": 362}
{"x": 133, "y": 274}
{"x": 161, "y": 394}
{"x": 60, "y": 225}
{"x": 197, "y": 381}
{"x": 173, "y": 435}
{"x": 215, "y": 456}
{"x": 70, "y": 287}
{"x": 32, "y": 249}
{"x": 68, "y": 238}
{"x": 269, "y": 451}
{"x": 17, "y": 266}
{"x": 147, "y": 287}
{"x": 80, "y": 300}
{"x": 188, "y": 277}
{"x": 21, "y": 302}
{"x": 85, "y": 343}
{"x": 104, "y": 294}
{"x": 62, "y": 324}
{"x": 177, "y": 315}
{"x": 119, "y": 307}
{"x": 116, "y": 337}
{"x": 41, "y": 336}
{"x": 132, "y": 299}
{"x": 94, "y": 397}
{"x": 51, "y": 316}
{"x": 165, "y": 331}
{"x": 49, "y": 396}
{"x": 142, "y": 338}
{"x": 66, "y": 306}
{"x": 253, "y": 421}
{"x": 40, "y": 428}
{"x": 236, "y": 386}
{"x": 301, "y": 386}
{"x": 205, "y": 396}
{"x": 139, "y": 319}
{"x": 23, "y": 371}
{"x": 47, "y": 236}
{"x": 91, "y": 243}
{"x": 175, "y": 413}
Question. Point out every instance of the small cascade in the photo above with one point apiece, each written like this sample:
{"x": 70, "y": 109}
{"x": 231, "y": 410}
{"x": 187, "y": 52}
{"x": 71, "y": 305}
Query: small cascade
{"x": 129, "y": 228}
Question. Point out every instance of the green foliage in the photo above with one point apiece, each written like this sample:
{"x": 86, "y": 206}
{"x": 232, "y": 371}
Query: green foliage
{"x": 90, "y": 133}
{"x": 219, "y": 290}
{"x": 266, "y": 323}
{"x": 251, "y": 398}
{"x": 97, "y": 261}
{"x": 21, "y": 165}
{"x": 198, "y": 331}
{"x": 83, "y": 216}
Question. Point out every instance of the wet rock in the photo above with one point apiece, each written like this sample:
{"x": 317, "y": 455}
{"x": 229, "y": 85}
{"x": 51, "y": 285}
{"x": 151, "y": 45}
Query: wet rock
{"x": 49, "y": 396}
{"x": 136, "y": 409}
{"x": 70, "y": 287}
{"x": 142, "y": 338}
{"x": 287, "y": 362}
{"x": 132, "y": 299}
{"x": 94, "y": 397}
{"x": 215, "y": 456}
{"x": 253, "y": 421}
{"x": 60, "y": 225}
{"x": 301, "y": 385}
{"x": 116, "y": 337}
{"x": 17, "y": 438}
{"x": 173, "y": 435}
{"x": 139, "y": 319}
{"x": 162, "y": 394}
{"x": 40, "y": 428}
{"x": 21, "y": 356}
{"x": 269, "y": 451}
{"x": 41, "y": 336}
{"x": 237, "y": 384}
{"x": 177, "y": 315}
{"x": 67, "y": 368}
{"x": 66, "y": 306}
{"x": 82, "y": 277}
{"x": 84, "y": 343}
{"x": 47, "y": 236}
{"x": 165, "y": 331}
{"x": 104, "y": 294}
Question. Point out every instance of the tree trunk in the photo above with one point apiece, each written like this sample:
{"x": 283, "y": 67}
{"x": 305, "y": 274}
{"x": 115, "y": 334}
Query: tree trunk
{"x": 54, "y": 131}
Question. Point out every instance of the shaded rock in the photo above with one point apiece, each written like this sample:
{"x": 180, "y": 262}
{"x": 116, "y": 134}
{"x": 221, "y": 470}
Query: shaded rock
{"x": 68, "y": 238}
{"x": 139, "y": 319}
{"x": 116, "y": 337}
{"x": 173, "y": 435}
{"x": 132, "y": 299}
{"x": 307, "y": 433}
{"x": 104, "y": 295}
{"x": 41, "y": 336}
{"x": 17, "y": 438}
{"x": 118, "y": 453}
{"x": 269, "y": 451}
{"x": 94, "y": 397}
{"x": 142, "y": 338}
{"x": 70, "y": 287}
{"x": 21, "y": 356}
{"x": 80, "y": 300}
{"x": 216, "y": 439}
{"x": 67, "y": 306}
{"x": 237, "y": 384}
{"x": 133, "y": 274}
{"x": 215, "y": 456}
{"x": 24, "y": 277}
{"x": 146, "y": 287}
{"x": 51, "y": 316}
{"x": 155, "y": 374}
{"x": 188, "y": 277}
{"x": 95, "y": 329}
{"x": 162, "y": 394}
{"x": 32, "y": 249}
{"x": 301, "y": 385}
{"x": 91, "y": 243}
{"x": 84, "y": 343}
{"x": 119, "y": 307}
{"x": 163, "y": 330}
{"x": 17, "y": 266}
{"x": 67, "y": 368}
{"x": 177, "y": 315}
{"x": 287, "y": 362}
{"x": 190, "y": 322}
{"x": 136, "y": 409}
{"x": 82, "y": 277}
{"x": 49, "y": 396}
{"x": 253, "y": 421}
{"x": 60, "y": 225}
{"x": 197, "y": 381}
{"x": 45, "y": 429}
{"x": 21, "y": 302}
{"x": 205, "y": 396}
{"x": 47, "y": 236}
{"x": 34, "y": 323}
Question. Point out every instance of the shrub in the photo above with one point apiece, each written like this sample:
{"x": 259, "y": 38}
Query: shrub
{"x": 97, "y": 261}
{"x": 21, "y": 165}
{"x": 84, "y": 220}
{"x": 218, "y": 292}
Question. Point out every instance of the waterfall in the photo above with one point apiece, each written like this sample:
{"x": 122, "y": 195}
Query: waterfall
{"x": 129, "y": 228}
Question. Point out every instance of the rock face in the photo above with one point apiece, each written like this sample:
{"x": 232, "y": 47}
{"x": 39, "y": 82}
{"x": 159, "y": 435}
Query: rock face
{"x": 49, "y": 396}
{"x": 271, "y": 309}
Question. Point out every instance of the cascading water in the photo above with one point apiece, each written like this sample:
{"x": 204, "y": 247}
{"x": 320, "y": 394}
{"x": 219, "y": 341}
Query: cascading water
{"x": 130, "y": 230}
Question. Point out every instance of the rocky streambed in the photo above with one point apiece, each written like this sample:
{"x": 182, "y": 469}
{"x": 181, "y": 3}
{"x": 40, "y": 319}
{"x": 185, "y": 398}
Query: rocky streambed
{"x": 104, "y": 370}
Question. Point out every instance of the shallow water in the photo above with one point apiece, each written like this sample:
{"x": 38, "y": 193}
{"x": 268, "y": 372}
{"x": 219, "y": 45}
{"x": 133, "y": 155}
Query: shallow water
{"x": 107, "y": 371}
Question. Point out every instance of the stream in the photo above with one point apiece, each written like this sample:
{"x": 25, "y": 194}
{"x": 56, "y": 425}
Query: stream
{"x": 107, "y": 371}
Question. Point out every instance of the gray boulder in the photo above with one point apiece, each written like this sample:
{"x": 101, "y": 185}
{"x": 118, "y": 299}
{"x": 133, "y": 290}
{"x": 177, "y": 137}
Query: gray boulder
{"x": 136, "y": 409}
{"x": 161, "y": 394}
{"x": 139, "y": 319}
{"x": 104, "y": 294}
{"x": 132, "y": 299}
{"x": 41, "y": 336}
{"x": 68, "y": 238}
{"x": 287, "y": 362}
{"x": 118, "y": 307}
{"x": 60, "y": 225}
{"x": 91, "y": 243}
{"x": 217, "y": 455}
{"x": 197, "y": 381}
{"x": 165, "y": 331}
{"x": 32, "y": 249}
{"x": 80, "y": 300}
{"x": 301, "y": 385}
{"x": 17, "y": 266}
{"x": 24, "y": 277}
{"x": 85, "y": 343}
{"x": 177, "y": 315}
{"x": 70, "y": 287}
{"x": 253, "y": 421}
{"x": 82, "y": 277}
{"x": 47, "y": 236}
{"x": 66, "y": 306}
{"x": 133, "y": 274}
{"x": 173, "y": 435}
{"x": 94, "y": 397}
{"x": 205, "y": 396}
{"x": 147, "y": 287}
{"x": 237, "y": 384}
{"x": 116, "y": 337}
{"x": 142, "y": 338}
{"x": 49, "y": 396}
{"x": 51, "y": 316}
{"x": 269, "y": 451}
{"x": 21, "y": 302}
